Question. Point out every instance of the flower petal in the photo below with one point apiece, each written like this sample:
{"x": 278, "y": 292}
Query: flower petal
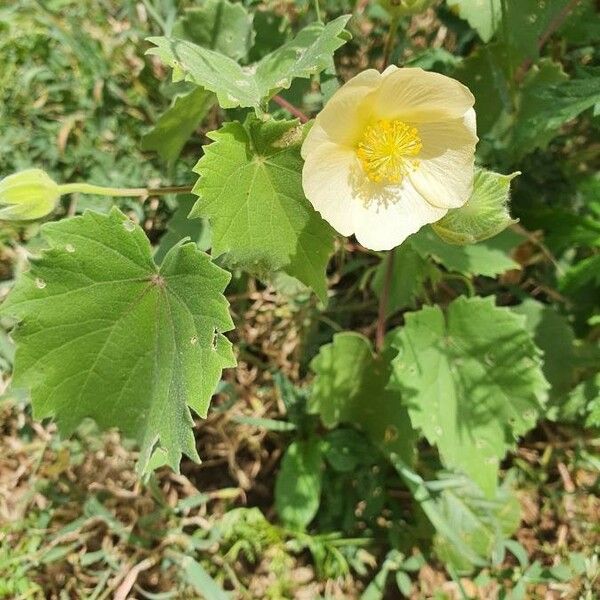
{"x": 344, "y": 116}
{"x": 385, "y": 225}
{"x": 326, "y": 179}
{"x": 415, "y": 95}
{"x": 313, "y": 140}
{"x": 444, "y": 176}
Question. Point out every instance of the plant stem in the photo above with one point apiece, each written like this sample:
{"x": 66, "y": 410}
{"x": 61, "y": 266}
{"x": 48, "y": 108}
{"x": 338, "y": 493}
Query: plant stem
{"x": 291, "y": 109}
{"x": 318, "y": 11}
{"x": 536, "y": 242}
{"x": 389, "y": 42}
{"x": 88, "y": 188}
{"x": 384, "y": 300}
{"x": 173, "y": 189}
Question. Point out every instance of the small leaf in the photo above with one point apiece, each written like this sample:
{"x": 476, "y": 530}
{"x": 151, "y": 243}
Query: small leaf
{"x": 583, "y": 273}
{"x": 250, "y": 188}
{"x": 308, "y": 53}
{"x": 298, "y": 484}
{"x": 583, "y": 404}
{"x": 219, "y": 25}
{"x": 482, "y": 523}
{"x": 347, "y": 449}
{"x": 490, "y": 257}
{"x": 350, "y": 387}
{"x": 554, "y": 336}
{"x": 180, "y": 227}
{"x": 264, "y": 423}
{"x": 483, "y": 216}
{"x": 193, "y": 573}
{"x": 404, "y": 583}
{"x": 178, "y": 123}
{"x": 483, "y": 15}
{"x": 549, "y": 100}
{"x": 471, "y": 380}
{"x": 107, "y": 334}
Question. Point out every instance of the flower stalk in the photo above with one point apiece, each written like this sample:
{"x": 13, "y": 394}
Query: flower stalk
{"x": 88, "y": 188}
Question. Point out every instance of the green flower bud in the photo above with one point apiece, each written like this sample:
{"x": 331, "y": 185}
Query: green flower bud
{"x": 403, "y": 8}
{"x": 27, "y": 195}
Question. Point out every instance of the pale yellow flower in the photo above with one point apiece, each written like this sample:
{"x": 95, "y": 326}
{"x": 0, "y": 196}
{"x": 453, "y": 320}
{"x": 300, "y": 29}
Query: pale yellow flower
{"x": 389, "y": 153}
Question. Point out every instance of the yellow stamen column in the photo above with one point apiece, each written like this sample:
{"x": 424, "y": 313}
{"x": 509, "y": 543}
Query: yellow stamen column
{"x": 388, "y": 150}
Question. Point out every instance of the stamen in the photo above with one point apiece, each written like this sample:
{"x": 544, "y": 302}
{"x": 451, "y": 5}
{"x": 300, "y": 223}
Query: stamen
{"x": 388, "y": 149}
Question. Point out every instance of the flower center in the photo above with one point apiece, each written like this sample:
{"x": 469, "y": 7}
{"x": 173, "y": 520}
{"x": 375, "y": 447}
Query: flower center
{"x": 387, "y": 150}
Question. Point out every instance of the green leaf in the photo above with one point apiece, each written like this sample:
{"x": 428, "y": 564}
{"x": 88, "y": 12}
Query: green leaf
{"x": 180, "y": 227}
{"x": 307, "y": 54}
{"x": 250, "y": 188}
{"x": 347, "y": 449}
{"x": 411, "y": 271}
{"x": 432, "y": 497}
{"x": 435, "y": 59}
{"x": 107, "y": 334}
{"x": 492, "y": 91}
{"x": 264, "y": 423}
{"x": 548, "y": 101}
{"x": 583, "y": 26}
{"x": 554, "y": 336}
{"x": 193, "y": 573}
{"x": 350, "y": 387}
{"x": 178, "y": 123}
{"x": 404, "y": 583}
{"x": 471, "y": 380}
{"x": 377, "y": 587}
{"x": 482, "y": 523}
{"x": 484, "y": 215}
{"x": 582, "y": 404}
{"x": 490, "y": 257}
{"x": 584, "y": 273}
{"x": 483, "y": 15}
{"x": 218, "y": 25}
{"x": 298, "y": 484}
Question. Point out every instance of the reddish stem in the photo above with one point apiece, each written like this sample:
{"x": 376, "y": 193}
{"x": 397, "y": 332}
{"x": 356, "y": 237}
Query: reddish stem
{"x": 383, "y": 300}
{"x": 296, "y": 112}
{"x": 553, "y": 26}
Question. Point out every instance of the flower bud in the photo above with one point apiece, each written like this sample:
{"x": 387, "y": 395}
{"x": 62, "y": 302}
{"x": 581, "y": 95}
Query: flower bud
{"x": 403, "y": 8}
{"x": 27, "y": 195}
